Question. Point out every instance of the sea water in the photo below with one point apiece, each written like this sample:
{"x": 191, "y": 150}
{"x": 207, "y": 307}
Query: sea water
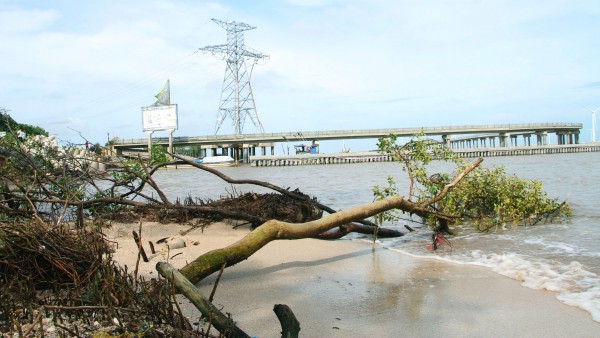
{"x": 562, "y": 257}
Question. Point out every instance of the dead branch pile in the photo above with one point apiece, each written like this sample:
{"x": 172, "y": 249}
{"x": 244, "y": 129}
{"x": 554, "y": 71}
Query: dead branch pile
{"x": 273, "y": 206}
{"x": 46, "y": 257}
{"x": 252, "y": 207}
{"x": 68, "y": 278}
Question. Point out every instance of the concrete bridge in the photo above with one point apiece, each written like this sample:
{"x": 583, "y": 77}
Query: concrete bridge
{"x": 243, "y": 146}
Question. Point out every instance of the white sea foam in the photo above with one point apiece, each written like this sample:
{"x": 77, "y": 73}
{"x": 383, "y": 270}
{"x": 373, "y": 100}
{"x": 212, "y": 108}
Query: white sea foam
{"x": 539, "y": 260}
{"x": 572, "y": 283}
{"x": 555, "y": 247}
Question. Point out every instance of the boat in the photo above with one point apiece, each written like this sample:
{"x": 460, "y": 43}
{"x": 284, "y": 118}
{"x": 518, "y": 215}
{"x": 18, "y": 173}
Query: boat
{"x": 306, "y": 149}
{"x": 217, "y": 161}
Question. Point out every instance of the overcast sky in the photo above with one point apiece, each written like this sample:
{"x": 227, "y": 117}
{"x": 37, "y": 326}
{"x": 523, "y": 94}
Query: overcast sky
{"x": 89, "y": 66}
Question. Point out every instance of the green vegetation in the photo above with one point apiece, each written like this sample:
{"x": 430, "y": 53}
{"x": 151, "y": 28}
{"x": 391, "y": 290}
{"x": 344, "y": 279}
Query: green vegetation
{"x": 9, "y": 125}
{"x": 487, "y": 197}
{"x": 158, "y": 154}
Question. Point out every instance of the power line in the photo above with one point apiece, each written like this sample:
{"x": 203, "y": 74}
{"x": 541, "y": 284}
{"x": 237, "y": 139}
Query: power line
{"x": 171, "y": 69}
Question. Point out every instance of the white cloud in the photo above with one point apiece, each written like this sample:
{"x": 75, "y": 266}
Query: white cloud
{"x": 344, "y": 64}
{"x": 15, "y": 22}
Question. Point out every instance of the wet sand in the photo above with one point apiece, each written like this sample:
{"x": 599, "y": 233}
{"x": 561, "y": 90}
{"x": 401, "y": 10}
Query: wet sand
{"x": 351, "y": 289}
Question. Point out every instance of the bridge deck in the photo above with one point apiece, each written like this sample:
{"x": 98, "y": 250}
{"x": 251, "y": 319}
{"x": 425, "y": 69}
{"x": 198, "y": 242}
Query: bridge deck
{"x": 256, "y": 139}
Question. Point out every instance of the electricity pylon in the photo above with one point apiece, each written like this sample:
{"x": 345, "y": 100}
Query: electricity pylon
{"x": 237, "y": 100}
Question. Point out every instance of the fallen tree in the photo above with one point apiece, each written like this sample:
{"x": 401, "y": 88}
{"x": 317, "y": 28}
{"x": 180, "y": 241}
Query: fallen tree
{"x": 487, "y": 198}
{"x": 54, "y": 184}
{"x": 43, "y": 183}
{"x": 212, "y": 261}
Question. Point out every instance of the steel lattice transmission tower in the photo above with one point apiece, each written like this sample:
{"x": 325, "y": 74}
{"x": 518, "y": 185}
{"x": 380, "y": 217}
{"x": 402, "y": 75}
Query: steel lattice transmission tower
{"x": 237, "y": 100}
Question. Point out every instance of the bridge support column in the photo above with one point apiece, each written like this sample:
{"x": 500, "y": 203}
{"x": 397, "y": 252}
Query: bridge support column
{"x": 446, "y": 141}
{"x": 571, "y": 138}
{"x": 542, "y": 138}
{"x": 560, "y": 137}
{"x": 245, "y": 152}
{"x": 503, "y": 139}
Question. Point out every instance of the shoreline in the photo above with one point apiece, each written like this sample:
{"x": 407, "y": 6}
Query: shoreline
{"x": 352, "y": 289}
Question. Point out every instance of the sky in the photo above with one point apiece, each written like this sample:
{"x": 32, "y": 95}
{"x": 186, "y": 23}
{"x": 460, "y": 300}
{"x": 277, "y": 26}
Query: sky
{"x": 85, "y": 68}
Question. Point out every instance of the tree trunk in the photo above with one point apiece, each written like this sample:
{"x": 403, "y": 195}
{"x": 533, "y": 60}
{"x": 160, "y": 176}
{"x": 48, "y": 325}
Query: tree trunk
{"x": 212, "y": 261}
{"x": 222, "y": 323}
{"x": 345, "y": 229}
{"x": 290, "y": 326}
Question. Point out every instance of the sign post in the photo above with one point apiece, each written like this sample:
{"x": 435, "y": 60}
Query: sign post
{"x": 156, "y": 118}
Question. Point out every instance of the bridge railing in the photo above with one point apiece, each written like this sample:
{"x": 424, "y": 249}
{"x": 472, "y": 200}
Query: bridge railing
{"x": 308, "y": 135}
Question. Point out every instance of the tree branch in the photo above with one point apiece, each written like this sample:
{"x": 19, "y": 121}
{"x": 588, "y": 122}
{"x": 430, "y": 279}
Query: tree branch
{"x": 225, "y": 325}
{"x": 212, "y": 261}
{"x": 261, "y": 184}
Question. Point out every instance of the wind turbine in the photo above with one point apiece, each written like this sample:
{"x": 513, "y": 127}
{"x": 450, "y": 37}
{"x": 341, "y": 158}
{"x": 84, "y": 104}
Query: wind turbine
{"x": 593, "y": 121}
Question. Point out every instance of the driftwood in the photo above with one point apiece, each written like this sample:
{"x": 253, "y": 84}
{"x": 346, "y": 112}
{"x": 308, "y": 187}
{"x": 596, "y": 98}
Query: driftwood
{"x": 290, "y": 326}
{"x": 138, "y": 241}
{"x": 221, "y": 322}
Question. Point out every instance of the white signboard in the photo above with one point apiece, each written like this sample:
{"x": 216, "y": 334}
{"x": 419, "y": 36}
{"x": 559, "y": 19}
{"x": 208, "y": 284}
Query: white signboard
{"x": 159, "y": 118}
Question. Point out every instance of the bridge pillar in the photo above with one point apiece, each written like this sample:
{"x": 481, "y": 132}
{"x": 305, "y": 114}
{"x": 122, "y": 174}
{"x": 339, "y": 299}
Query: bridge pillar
{"x": 541, "y": 137}
{"x": 245, "y": 152}
{"x": 572, "y": 137}
{"x": 503, "y": 139}
{"x": 561, "y": 137}
{"x": 446, "y": 141}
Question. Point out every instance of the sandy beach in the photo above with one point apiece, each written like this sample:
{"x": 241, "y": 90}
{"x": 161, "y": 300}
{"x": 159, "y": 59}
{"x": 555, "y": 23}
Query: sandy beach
{"x": 353, "y": 289}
